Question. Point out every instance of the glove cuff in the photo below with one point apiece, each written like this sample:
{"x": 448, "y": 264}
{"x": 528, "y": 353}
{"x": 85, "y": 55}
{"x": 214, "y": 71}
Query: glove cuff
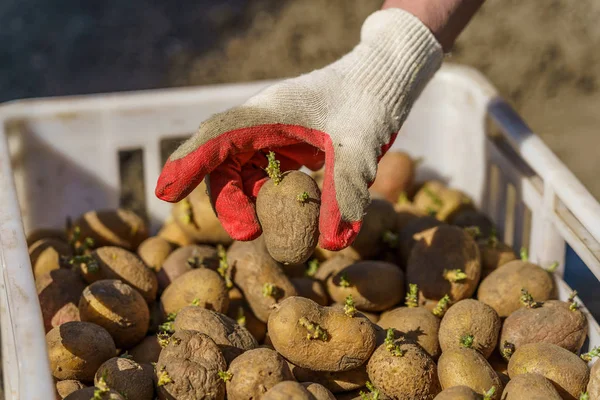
{"x": 395, "y": 59}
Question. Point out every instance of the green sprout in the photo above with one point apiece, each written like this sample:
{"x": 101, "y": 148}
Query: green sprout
{"x": 167, "y": 326}
{"x": 493, "y": 239}
{"x": 302, "y": 198}
{"x": 344, "y": 282}
{"x": 431, "y": 212}
{"x": 314, "y": 330}
{"x": 194, "y": 262}
{"x": 241, "y": 316}
{"x": 524, "y": 254}
{"x": 349, "y": 308}
{"x": 584, "y": 396}
{"x": 390, "y": 345}
{"x": 573, "y": 305}
{"x": 391, "y": 239}
{"x": 589, "y": 356}
{"x": 442, "y": 306}
{"x": 490, "y": 393}
{"x": 101, "y": 388}
{"x": 313, "y": 266}
{"x": 454, "y": 275}
{"x": 372, "y": 394}
{"x": 474, "y": 231}
{"x": 552, "y": 268}
{"x": 402, "y": 199}
{"x": 87, "y": 263}
{"x": 225, "y": 376}
{"x": 270, "y": 290}
{"x": 163, "y": 339}
{"x": 507, "y": 350}
{"x": 196, "y": 302}
{"x": 163, "y": 377}
{"x": 433, "y": 196}
{"x": 467, "y": 341}
{"x": 412, "y": 297}
{"x": 126, "y": 355}
{"x": 273, "y": 168}
{"x": 186, "y": 216}
{"x": 224, "y": 269}
{"x": 76, "y": 243}
{"x": 526, "y": 300}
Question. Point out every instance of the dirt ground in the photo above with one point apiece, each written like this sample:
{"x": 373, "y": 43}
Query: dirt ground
{"x": 541, "y": 55}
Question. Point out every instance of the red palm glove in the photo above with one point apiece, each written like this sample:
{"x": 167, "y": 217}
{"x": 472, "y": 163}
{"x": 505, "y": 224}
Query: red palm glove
{"x": 344, "y": 116}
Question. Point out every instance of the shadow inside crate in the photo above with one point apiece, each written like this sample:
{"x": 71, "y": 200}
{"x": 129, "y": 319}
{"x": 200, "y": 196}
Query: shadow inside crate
{"x": 503, "y": 194}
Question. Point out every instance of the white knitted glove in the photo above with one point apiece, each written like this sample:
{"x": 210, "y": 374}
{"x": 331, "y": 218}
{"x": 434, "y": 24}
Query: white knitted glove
{"x": 345, "y": 115}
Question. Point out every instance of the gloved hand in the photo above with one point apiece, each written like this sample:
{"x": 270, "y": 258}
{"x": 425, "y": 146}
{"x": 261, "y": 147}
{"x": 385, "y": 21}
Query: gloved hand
{"x": 345, "y": 116}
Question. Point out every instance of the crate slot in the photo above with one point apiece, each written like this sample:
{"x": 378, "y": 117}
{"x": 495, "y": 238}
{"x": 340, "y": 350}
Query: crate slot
{"x": 510, "y": 215}
{"x": 169, "y": 145}
{"x": 131, "y": 179}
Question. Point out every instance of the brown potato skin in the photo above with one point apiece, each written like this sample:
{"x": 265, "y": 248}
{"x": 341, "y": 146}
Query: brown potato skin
{"x": 406, "y": 235}
{"x": 176, "y": 264}
{"x": 120, "y": 227}
{"x": 255, "y": 372}
{"x": 319, "y": 392}
{"x": 116, "y": 263}
{"x": 154, "y": 251}
{"x": 311, "y": 289}
{"x": 118, "y": 308}
{"x": 146, "y": 351}
{"x": 45, "y": 255}
{"x": 287, "y": 390}
{"x": 553, "y": 322}
{"x": 473, "y": 218}
{"x": 46, "y": 233}
{"x": 458, "y": 393}
{"x": 593, "y": 386}
{"x": 231, "y": 338}
{"x": 76, "y": 350}
{"x": 59, "y": 292}
{"x": 203, "y": 226}
{"x": 411, "y": 376}
{"x": 530, "y": 387}
{"x": 415, "y": 324}
{"x": 467, "y": 367}
{"x": 395, "y": 174}
{"x": 192, "y": 360}
{"x": 290, "y": 227}
{"x": 202, "y": 284}
{"x": 501, "y": 289}
{"x": 374, "y": 285}
{"x": 335, "y": 382}
{"x": 565, "y": 370}
{"x": 453, "y": 201}
{"x": 440, "y": 248}
{"x": 470, "y": 317}
{"x": 66, "y": 387}
{"x": 377, "y": 220}
{"x": 351, "y": 340}
{"x": 88, "y": 393}
{"x": 332, "y": 266}
{"x": 126, "y": 377}
{"x": 174, "y": 234}
{"x": 494, "y": 255}
{"x": 238, "y": 307}
{"x": 324, "y": 255}
{"x": 405, "y": 213}
{"x": 252, "y": 268}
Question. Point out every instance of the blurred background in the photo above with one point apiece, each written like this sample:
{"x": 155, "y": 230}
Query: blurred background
{"x": 542, "y": 56}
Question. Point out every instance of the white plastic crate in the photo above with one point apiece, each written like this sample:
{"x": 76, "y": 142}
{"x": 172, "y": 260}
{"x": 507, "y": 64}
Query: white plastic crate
{"x": 63, "y": 155}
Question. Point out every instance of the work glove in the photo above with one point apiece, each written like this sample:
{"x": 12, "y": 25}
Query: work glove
{"x": 344, "y": 116}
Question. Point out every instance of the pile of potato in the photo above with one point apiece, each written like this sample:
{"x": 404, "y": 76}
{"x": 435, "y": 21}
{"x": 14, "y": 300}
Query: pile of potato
{"x": 427, "y": 303}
